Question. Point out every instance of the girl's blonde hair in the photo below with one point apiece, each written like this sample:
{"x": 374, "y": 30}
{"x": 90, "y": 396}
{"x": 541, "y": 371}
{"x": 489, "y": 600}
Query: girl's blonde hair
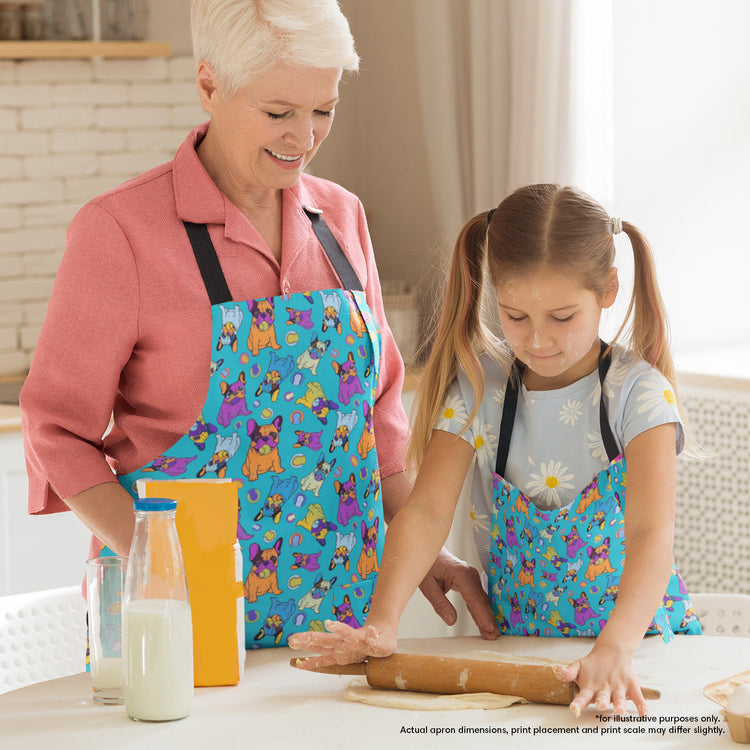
{"x": 243, "y": 39}
{"x": 535, "y": 226}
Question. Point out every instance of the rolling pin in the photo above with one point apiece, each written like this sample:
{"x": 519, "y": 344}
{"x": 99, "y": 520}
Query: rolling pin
{"x": 450, "y": 675}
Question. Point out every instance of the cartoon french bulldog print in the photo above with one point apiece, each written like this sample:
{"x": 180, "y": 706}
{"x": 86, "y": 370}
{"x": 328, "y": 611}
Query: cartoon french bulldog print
{"x": 172, "y": 466}
{"x": 348, "y": 504}
{"x": 262, "y": 328}
{"x": 313, "y": 481}
{"x": 233, "y": 404}
{"x": 281, "y": 490}
{"x": 349, "y": 383}
{"x": 279, "y": 613}
{"x": 315, "y": 400}
{"x": 345, "y": 424}
{"x": 279, "y": 368}
{"x": 302, "y": 318}
{"x": 311, "y": 440}
{"x": 356, "y": 321}
{"x": 310, "y": 358}
{"x": 315, "y": 596}
{"x": 226, "y": 447}
{"x": 315, "y": 522}
{"x": 582, "y": 609}
{"x": 345, "y": 543}
{"x": 599, "y": 561}
{"x": 367, "y": 440}
{"x": 373, "y": 486}
{"x": 305, "y": 561}
{"x": 368, "y": 557}
{"x": 344, "y": 613}
{"x": 231, "y": 320}
{"x": 263, "y": 577}
{"x": 331, "y": 312}
{"x": 263, "y": 454}
{"x": 200, "y": 431}
{"x": 526, "y": 574}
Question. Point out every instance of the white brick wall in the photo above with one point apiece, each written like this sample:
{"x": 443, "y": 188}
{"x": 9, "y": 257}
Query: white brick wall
{"x": 69, "y": 130}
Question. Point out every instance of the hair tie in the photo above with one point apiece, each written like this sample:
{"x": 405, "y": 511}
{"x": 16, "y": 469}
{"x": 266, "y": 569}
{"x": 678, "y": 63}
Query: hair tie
{"x": 490, "y": 214}
{"x": 616, "y": 225}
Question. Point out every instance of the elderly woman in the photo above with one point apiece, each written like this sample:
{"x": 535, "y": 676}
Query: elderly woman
{"x": 225, "y": 309}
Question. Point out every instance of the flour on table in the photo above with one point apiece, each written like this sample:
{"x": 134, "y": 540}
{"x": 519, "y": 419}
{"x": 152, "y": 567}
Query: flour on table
{"x": 359, "y": 691}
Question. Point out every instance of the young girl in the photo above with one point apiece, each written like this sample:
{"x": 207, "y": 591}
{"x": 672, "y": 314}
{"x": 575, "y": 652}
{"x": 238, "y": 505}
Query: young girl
{"x": 552, "y": 417}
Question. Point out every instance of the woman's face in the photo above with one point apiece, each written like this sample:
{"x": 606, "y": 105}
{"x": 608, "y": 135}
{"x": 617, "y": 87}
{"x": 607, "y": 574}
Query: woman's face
{"x": 551, "y": 323}
{"x": 263, "y": 136}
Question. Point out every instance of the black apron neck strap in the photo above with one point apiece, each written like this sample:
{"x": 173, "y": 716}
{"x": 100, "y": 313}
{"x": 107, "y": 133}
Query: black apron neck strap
{"x": 608, "y": 438}
{"x": 339, "y": 261}
{"x": 510, "y": 403}
{"x": 213, "y": 276}
{"x": 208, "y": 263}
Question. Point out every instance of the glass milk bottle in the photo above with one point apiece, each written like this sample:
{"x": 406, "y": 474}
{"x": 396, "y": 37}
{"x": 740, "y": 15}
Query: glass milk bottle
{"x": 156, "y": 623}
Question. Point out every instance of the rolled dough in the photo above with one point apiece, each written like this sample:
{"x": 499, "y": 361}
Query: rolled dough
{"x": 406, "y": 700}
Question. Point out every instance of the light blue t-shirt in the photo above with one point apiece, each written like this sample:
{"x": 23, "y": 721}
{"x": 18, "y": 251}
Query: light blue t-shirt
{"x": 556, "y": 448}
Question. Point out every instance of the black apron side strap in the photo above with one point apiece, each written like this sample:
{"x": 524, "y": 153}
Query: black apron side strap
{"x": 208, "y": 263}
{"x": 610, "y": 444}
{"x": 510, "y": 402}
{"x": 339, "y": 261}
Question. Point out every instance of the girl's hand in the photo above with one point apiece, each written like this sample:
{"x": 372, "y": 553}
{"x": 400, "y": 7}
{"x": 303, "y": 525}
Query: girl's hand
{"x": 605, "y": 677}
{"x": 342, "y": 644}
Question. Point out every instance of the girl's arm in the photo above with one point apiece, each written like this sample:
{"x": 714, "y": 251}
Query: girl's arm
{"x": 412, "y": 542}
{"x": 606, "y": 675}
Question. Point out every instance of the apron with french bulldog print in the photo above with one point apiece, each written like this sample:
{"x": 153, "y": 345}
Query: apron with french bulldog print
{"x": 557, "y": 572}
{"x": 288, "y": 416}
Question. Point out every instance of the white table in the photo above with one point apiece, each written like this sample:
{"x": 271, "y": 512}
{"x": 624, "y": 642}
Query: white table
{"x": 276, "y": 707}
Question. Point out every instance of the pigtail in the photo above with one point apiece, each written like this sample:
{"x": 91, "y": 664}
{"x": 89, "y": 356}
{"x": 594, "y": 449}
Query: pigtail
{"x": 460, "y": 335}
{"x": 649, "y": 331}
{"x": 649, "y": 327}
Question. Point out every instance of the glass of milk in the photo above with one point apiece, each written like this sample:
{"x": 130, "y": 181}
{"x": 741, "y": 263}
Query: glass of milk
{"x": 105, "y": 583}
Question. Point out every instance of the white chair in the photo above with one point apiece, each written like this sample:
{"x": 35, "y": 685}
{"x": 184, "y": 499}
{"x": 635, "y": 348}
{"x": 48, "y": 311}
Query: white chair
{"x": 42, "y": 636}
{"x": 723, "y": 614}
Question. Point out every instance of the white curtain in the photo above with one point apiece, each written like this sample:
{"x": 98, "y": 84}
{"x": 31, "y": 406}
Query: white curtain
{"x": 513, "y": 92}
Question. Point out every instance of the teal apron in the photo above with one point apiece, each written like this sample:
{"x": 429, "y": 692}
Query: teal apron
{"x": 288, "y": 415}
{"x": 557, "y": 572}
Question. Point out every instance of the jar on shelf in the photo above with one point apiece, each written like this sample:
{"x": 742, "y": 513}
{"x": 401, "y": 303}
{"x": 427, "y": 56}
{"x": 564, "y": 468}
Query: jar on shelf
{"x": 66, "y": 19}
{"x": 32, "y": 19}
{"x": 10, "y": 21}
{"x": 124, "y": 19}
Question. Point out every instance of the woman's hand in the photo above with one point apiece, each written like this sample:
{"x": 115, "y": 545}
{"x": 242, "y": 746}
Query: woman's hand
{"x": 448, "y": 573}
{"x": 605, "y": 677}
{"x": 343, "y": 644}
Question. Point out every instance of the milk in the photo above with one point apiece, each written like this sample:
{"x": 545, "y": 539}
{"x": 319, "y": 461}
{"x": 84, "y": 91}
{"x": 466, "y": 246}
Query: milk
{"x": 106, "y": 674}
{"x": 158, "y": 659}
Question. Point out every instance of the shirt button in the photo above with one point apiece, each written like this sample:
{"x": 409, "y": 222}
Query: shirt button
{"x": 285, "y": 286}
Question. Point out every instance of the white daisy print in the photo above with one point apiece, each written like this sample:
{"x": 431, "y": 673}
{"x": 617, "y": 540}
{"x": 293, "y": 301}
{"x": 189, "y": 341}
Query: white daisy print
{"x": 596, "y": 447}
{"x": 658, "y": 399}
{"x": 479, "y": 521}
{"x": 485, "y": 444}
{"x": 454, "y": 410}
{"x": 570, "y": 412}
{"x": 616, "y": 375}
{"x": 549, "y": 483}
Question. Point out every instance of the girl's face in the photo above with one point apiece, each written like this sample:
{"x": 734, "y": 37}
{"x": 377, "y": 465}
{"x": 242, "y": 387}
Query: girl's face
{"x": 551, "y": 323}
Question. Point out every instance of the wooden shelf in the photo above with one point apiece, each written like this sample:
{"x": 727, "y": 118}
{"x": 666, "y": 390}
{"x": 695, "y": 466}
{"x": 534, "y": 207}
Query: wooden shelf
{"x": 69, "y": 50}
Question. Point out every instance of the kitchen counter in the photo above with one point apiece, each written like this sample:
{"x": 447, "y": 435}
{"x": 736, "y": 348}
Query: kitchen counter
{"x": 276, "y": 706}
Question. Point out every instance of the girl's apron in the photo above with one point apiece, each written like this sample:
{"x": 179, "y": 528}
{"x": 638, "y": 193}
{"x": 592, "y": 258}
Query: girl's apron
{"x": 289, "y": 416}
{"x": 557, "y": 572}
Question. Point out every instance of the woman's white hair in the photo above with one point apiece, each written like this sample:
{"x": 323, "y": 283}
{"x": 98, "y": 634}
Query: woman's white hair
{"x": 242, "y": 39}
